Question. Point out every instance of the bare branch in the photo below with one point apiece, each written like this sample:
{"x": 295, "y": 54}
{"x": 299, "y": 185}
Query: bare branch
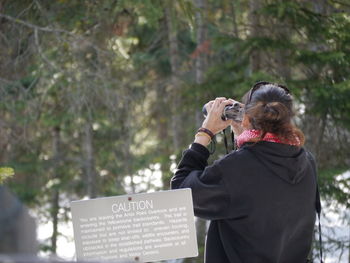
{"x": 35, "y": 27}
{"x": 26, "y": 9}
{"x": 37, "y": 43}
{"x": 340, "y": 2}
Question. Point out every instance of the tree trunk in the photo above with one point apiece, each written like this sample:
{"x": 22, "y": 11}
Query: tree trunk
{"x": 201, "y": 64}
{"x": 234, "y": 19}
{"x": 89, "y": 162}
{"x": 127, "y": 153}
{"x": 320, "y": 6}
{"x": 255, "y": 57}
{"x": 201, "y": 59}
{"x": 282, "y": 54}
{"x": 56, "y": 142}
{"x": 161, "y": 114}
{"x": 315, "y": 126}
{"x": 175, "y": 80}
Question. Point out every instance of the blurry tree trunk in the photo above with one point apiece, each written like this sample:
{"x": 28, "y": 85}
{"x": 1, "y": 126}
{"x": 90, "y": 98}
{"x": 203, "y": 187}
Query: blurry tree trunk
{"x": 315, "y": 125}
{"x": 175, "y": 80}
{"x": 56, "y": 142}
{"x": 282, "y": 54}
{"x": 161, "y": 114}
{"x": 234, "y": 18}
{"x": 201, "y": 64}
{"x": 17, "y": 228}
{"x": 89, "y": 162}
{"x": 202, "y": 57}
{"x": 255, "y": 57}
{"x": 320, "y": 6}
{"x": 127, "y": 153}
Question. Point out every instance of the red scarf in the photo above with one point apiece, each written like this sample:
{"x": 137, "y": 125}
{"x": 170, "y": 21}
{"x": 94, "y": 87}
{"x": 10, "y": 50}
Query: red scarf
{"x": 252, "y": 135}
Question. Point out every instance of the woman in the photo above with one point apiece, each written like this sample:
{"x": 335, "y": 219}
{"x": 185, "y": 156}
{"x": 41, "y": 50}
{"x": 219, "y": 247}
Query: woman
{"x": 260, "y": 198}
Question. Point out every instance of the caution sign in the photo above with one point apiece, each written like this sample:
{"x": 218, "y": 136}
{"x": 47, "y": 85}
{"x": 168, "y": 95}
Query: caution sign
{"x": 141, "y": 227}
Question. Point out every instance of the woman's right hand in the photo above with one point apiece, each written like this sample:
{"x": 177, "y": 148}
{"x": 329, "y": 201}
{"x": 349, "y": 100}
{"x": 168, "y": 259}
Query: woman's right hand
{"x": 213, "y": 121}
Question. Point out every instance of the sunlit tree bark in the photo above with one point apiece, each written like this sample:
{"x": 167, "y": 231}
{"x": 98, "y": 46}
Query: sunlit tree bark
{"x": 56, "y": 148}
{"x": 89, "y": 161}
{"x": 255, "y": 29}
{"x": 175, "y": 71}
{"x": 201, "y": 62}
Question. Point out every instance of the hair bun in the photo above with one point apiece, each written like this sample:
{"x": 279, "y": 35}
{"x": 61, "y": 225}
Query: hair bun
{"x": 275, "y": 112}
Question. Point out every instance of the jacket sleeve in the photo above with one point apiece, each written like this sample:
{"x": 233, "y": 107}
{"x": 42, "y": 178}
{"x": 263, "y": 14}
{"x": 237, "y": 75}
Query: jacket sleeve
{"x": 210, "y": 197}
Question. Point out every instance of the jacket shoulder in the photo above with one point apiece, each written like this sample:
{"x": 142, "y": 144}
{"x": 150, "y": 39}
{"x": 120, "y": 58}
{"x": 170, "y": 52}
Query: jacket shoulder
{"x": 235, "y": 157}
{"x": 311, "y": 157}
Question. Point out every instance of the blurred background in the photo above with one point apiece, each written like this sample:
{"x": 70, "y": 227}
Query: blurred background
{"x": 100, "y": 98}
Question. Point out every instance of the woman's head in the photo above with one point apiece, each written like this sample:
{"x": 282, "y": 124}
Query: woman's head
{"x": 269, "y": 108}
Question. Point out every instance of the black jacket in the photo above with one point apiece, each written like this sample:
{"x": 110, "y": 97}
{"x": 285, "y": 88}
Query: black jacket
{"x": 260, "y": 200}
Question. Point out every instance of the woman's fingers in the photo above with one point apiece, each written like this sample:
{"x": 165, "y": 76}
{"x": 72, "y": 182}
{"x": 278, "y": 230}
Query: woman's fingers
{"x": 209, "y": 105}
{"x": 223, "y": 104}
{"x": 235, "y": 101}
{"x": 217, "y": 103}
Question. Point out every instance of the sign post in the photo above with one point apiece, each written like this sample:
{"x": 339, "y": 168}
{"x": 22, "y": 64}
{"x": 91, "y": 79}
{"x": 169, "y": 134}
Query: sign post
{"x": 140, "y": 227}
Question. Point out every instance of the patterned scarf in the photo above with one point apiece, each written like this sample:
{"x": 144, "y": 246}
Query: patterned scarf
{"x": 254, "y": 135}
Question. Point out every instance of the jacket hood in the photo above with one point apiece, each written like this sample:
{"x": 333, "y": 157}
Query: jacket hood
{"x": 286, "y": 161}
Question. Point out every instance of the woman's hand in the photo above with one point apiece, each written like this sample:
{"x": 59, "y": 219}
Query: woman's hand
{"x": 213, "y": 121}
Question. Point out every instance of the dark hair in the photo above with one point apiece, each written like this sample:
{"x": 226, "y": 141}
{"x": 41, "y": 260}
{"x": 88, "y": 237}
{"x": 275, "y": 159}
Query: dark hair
{"x": 270, "y": 109}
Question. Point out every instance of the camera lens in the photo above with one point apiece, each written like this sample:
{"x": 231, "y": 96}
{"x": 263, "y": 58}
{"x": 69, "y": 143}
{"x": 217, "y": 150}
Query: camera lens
{"x": 232, "y": 111}
{"x": 204, "y": 111}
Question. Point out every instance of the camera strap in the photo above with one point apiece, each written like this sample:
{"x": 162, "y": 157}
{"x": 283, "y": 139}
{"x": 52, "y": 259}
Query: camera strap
{"x": 225, "y": 141}
{"x": 232, "y": 140}
{"x": 234, "y": 143}
{"x": 212, "y": 145}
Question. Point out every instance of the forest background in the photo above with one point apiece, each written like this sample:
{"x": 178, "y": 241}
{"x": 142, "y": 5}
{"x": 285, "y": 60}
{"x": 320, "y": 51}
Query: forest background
{"x": 100, "y": 98}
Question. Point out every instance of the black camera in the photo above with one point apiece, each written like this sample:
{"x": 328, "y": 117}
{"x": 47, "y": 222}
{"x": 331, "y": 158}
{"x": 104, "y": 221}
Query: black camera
{"x": 232, "y": 112}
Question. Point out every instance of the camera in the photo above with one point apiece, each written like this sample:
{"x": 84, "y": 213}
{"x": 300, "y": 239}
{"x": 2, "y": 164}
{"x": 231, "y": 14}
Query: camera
{"x": 232, "y": 112}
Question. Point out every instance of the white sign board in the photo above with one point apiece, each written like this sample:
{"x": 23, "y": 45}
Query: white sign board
{"x": 140, "y": 227}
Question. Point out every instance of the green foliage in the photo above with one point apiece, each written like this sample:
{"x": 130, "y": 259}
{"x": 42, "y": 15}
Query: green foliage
{"x": 333, "y": 185}
{"x": 189, "y": 10}
{"x": 5, "y": 173}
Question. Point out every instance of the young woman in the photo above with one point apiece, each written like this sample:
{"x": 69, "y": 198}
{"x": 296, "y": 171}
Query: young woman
{"x": 260, "y": 198}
